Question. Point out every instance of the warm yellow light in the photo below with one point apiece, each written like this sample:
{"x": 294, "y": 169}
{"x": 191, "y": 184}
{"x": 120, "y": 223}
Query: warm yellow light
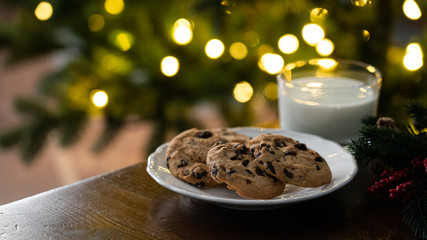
{"x": 327, "y": 64}
{"x": 413, "y": 59}
{"x": 288, "y": 43}
{"x": 415, "y": 48}
{"x": 238, "y": 50}
{"x": 96, "y": 22}
{"x": 214, "y": 48}
{"x": 124, "y": 40}
{"x": 312, "y": 33}
{"x": 99, "y": 98}
{"x": 318, "y": 14}
{"x": 411, "y": 10}
{"x": 361, "y": 3}
{"x": 270, "y": 91}
{"x": 271, "y": 63}
{"x": 169, "y": 66}
{"x": 43, "y": 11}
{"x": 243, "y": 92}
{"x": 114, "y": 7}
{"x": 325, "y": 47}
{"x": 366, "y": 35}
{"x": 182, "y": 32}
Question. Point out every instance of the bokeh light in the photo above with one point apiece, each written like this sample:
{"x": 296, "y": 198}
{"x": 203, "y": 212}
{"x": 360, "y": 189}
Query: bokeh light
{"x": 318, "y": 14}
{"x": 43, "y": 11}
{"x": 312, "y": 33}
{"x": 114, "y": 7}
{"x": 169, "y": 66}
{"x": 411, "y": 10}
{"x": 271, "y": 63}
{"x": 361, "y": 3}
{"x": 214, "y": 48}
{"x": 99, "y": 98}
{"x": 182, "y": 32}
{"x": 325, "y": 47}
{"x": 243, "y": 91}
{"x": 238, "y": 50}
{"x": 366, "y": 35}
{"x": 288, "y": 43}
{"x": 271, "y": 91}
{"x": 96, "y": 22}
{"x": 413, "y": 59}
{"x": 124, "y": 40}
{"x": 327, "y": 64}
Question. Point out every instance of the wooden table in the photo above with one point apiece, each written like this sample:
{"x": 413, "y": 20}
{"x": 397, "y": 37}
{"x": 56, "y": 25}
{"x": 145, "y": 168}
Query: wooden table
{"x": 128, "y": 204}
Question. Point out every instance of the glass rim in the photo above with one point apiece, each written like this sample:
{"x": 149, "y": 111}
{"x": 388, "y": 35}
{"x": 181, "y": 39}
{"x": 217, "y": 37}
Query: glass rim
{"x": 329, "y": 65}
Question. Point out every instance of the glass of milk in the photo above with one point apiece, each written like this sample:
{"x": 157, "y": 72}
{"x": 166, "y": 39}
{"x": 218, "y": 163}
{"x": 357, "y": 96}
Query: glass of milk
{"x": 328, "y": 97}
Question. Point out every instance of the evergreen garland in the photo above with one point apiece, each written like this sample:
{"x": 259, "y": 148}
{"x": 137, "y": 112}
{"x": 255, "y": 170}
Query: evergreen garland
{"x": 398, "y": 158}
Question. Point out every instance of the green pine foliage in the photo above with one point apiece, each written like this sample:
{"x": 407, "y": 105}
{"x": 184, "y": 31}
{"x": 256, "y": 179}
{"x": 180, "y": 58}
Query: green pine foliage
{"x": 396, "y": 149}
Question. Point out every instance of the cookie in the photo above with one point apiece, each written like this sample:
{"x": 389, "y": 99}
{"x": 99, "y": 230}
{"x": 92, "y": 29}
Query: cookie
{"x": 232, "y": 163}
{"x": 290, "y": 161}
{"x": 186, "y": 154}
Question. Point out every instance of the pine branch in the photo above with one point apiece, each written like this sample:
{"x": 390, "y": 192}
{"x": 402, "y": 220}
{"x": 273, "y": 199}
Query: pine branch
{"x": 71, "y": 125}
{"x": 418, "y": 112}
{"x": 415, "y": 211}
{"x": 394, "y": 148}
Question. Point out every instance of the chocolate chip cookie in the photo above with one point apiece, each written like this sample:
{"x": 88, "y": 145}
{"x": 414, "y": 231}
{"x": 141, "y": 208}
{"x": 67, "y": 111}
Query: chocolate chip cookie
{"x": 290, "y": 161}
{"x": 233, "y": 164}
{"x": 186, "y": 153}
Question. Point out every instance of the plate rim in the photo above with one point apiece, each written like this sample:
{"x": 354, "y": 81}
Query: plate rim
{"x": 245, "y": 202}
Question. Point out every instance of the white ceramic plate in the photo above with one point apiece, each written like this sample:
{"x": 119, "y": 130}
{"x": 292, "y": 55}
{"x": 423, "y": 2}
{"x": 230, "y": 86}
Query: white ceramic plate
{"x": 341, "y": 163}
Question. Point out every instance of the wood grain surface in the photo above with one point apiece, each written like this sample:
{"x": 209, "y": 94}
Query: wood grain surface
{"x": 128, "y": 204}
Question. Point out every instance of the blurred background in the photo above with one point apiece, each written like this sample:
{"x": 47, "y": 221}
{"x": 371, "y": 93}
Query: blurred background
{"x": 87, "y": 87}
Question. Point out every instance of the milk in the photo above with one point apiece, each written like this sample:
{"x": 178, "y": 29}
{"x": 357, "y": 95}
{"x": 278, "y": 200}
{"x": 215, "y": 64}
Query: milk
{"x": 331, "y": 107}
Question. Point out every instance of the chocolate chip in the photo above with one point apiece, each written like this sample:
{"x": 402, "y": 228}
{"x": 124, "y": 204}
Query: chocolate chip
{"x": 301, "y": 146}
{"x": 245, "y": 163}
{"x": 279, "y": 143}
{"x": 214, "y": 171}
{"x": 204, "y": 134}
{"x": 258, "y": 155}
{"x": 182, "y": 163}
{"x": 271, "y": 167}
{"x": 288, "y": 174}
{"x": 290, "y": 152}
{"x": 234, "y": 157}
{"x": 199, "y": 175}
{"x": 248, "y": 181}
{"x": 261, "y": 162}
{"x": 319, "y": 159}
{"x": 249, "y": 171}
{"x": 244, "y": 149}
{"x": 231, "y": 171}
{"x": 259, "y": 172}
{"x": 273, "y": 177}
{"x": 317, "y": 168}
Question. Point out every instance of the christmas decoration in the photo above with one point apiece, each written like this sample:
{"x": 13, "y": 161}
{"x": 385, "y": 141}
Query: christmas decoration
{"x": 398, "y": 159}
{"x": 143, "y": 60}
